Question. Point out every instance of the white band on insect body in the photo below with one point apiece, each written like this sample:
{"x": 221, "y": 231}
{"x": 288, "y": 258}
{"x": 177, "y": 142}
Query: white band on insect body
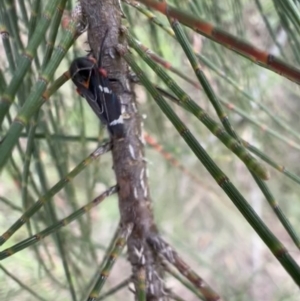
{"x": 105, "y": 89}
{"x": 117, "y": 121}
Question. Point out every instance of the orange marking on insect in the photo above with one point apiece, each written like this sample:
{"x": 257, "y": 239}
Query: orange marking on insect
{"x": 86, "y": 84}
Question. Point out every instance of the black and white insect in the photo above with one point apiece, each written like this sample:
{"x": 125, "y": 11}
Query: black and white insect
{"x": 93, "y": 84}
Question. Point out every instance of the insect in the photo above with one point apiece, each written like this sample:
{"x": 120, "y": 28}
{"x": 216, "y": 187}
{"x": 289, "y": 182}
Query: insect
{"x": 93, "y": 84}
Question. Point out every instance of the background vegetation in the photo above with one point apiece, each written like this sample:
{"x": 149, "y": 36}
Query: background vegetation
{"x": 191, "y": 210}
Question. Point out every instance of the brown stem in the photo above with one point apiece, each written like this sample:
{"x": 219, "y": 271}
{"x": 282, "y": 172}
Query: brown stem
{"x": 166, "y": 251}
{"x": 128, "y": 154}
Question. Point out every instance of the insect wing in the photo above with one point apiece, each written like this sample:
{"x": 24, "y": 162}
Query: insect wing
{"x": 85, "y": 76}
{"x": 112, "y": 108}
{"x": 94, "y": 97}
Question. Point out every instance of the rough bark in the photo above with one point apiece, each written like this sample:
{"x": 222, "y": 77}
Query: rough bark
{"x": 128, "y": 154}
